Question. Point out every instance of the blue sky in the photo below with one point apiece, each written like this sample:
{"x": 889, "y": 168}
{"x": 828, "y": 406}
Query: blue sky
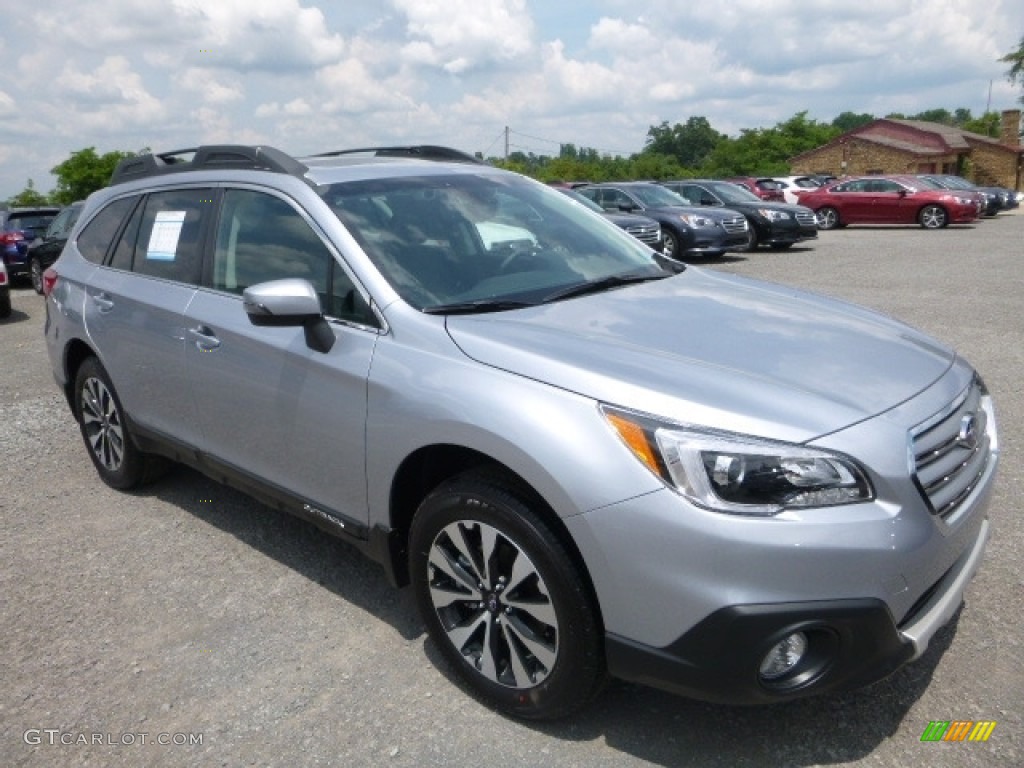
{"x": 311, "y": 75}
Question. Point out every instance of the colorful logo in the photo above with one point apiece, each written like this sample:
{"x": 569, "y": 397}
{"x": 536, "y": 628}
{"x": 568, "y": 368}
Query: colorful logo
{"x": 958, "y": 730}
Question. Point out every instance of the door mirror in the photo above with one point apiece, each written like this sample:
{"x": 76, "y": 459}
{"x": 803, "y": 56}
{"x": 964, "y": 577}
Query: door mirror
{"x": 281, "y": 302}
{"x": 290, "y": 301}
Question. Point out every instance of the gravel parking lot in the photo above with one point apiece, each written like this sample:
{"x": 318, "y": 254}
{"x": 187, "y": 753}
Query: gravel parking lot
{"x": 187, "y": 625}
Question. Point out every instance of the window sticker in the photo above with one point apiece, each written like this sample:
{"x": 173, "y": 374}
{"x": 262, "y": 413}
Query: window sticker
{"x": 163, "y": 241}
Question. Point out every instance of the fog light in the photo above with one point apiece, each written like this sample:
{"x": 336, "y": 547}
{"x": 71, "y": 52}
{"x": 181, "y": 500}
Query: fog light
{"x": 784, "y": 656}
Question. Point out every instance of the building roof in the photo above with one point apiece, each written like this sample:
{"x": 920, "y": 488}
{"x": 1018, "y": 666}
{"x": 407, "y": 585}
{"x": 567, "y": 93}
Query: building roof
{"x": 916, "y": 137}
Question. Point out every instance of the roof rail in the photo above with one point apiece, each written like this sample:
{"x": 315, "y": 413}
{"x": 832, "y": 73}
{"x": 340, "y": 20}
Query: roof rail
{"x": 419, "y": 151}
{"x": 209, "y": 156}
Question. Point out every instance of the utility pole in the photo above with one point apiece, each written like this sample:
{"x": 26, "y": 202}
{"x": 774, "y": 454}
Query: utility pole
{"x": 506, "y": 143}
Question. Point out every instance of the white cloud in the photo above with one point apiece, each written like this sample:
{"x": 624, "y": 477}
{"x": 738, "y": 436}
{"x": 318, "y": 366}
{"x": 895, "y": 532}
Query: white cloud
{"x": 259, "y": 34}
{"x": 210, "y": 86}
{"x": 309, "y": 75}
{"x": 108, "y": 96}
{"x": 7, "y": 106}
{"x": 459, "y": 35}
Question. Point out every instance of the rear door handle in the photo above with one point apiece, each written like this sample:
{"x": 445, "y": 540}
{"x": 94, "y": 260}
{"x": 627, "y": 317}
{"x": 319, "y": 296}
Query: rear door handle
{"x": 205, "y": 339}
{"x": 103, "y": 302}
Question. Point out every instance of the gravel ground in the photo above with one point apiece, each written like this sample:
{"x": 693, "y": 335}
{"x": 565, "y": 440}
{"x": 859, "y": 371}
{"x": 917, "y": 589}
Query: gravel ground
{"x": 186, "y": 613}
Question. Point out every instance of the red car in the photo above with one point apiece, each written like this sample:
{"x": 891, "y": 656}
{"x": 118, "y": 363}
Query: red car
{"x": 890, "y": 200}
{"x": 763, "y": 187}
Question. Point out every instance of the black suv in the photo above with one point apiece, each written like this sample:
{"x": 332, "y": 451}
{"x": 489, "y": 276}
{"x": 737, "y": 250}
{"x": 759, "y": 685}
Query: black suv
{"x": 43, "y": 251}
{"x": 777, "y": 225}
{"x": 686, "y": 230}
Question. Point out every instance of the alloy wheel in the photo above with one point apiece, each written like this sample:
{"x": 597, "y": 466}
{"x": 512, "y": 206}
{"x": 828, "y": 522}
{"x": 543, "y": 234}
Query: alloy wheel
{"x": 102, "y": 425}
{"x": 493, "y": 604}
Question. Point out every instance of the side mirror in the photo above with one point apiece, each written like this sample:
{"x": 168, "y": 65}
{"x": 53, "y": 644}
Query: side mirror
{"x": 289, "y": 302}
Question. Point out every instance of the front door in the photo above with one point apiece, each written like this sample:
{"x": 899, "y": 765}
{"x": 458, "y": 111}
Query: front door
{"x": 270, "y": 406}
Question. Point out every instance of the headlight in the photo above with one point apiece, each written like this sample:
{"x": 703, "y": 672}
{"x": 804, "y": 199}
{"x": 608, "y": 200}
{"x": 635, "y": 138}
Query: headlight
{"x": 738, "y": 474}
{"x": 696, "y": 221}
{"x": 773, "y": 215}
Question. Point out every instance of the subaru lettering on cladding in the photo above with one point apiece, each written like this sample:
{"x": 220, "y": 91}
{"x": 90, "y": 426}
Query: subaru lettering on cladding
{"x": 587, "y": 459}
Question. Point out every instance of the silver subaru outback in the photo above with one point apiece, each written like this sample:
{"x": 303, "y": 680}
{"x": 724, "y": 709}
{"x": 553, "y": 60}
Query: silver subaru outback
{"x": 586, "y": 459}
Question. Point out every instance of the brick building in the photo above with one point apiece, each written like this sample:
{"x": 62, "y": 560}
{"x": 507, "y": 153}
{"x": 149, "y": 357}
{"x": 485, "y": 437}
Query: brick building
{"x": 912, "y": 146}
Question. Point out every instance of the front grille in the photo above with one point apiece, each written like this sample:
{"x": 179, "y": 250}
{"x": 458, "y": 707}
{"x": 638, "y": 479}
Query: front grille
{"x": 646, "y": 233}
{"x": 735, "y": 225}
{"x": 951, "y": 452}
{"x": 807, "y": 219}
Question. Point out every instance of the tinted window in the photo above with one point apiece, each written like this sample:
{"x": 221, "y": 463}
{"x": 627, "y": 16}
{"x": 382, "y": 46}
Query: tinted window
{"x": 59, "y": 226}
{"x": 169, "y": 243}
{"x": 95, "y": 239}
{"x": 125, "y": 250}
{"x": 261, "y": 237}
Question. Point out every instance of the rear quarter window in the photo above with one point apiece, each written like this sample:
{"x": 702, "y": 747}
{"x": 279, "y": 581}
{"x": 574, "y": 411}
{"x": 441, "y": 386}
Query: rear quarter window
{"x": 95, "y": 239}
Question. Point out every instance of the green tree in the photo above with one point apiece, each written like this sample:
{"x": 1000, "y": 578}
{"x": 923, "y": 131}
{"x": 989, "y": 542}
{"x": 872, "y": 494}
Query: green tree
{"x": 29, "y": 196}
{"x": 989, "y": 124}
{"x": 690, "y": 143}
{"x": 1015, "y": 74}
{"x": 943, "y": 116}
{"x": 84, "y": 172}
{"x": 848, "y": 121}
{"x": 767, "y": 150}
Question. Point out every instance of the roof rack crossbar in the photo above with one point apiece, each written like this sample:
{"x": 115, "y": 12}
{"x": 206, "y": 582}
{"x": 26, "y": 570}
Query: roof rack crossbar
{"x": 209, "y": 156}
{"x": 420, "y": 151}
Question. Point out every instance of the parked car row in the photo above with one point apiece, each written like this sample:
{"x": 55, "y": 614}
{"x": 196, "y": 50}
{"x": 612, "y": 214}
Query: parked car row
{"x": 896, "y": 199}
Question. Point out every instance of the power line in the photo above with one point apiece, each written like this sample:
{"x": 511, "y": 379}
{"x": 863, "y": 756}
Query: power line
{"x": 560, "y": 144}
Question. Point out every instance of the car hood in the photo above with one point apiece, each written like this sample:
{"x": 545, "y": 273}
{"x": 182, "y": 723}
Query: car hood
{"x": 716, "y": 350}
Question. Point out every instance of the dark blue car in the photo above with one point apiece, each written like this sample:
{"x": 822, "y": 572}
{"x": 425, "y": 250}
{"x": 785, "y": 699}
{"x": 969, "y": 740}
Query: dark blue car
{"x": 20, "y": 227}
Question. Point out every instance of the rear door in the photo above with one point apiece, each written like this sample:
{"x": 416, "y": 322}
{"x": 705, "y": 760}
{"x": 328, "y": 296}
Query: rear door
{"x": 271, "y": 407}
{"x": 135, "y": 303}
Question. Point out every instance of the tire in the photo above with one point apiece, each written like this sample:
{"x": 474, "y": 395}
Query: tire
{"x": 519, "y": 625}
{"x": 751, "y": 239}
{"x": 35, "y": 273}
{"x": 828, "y": 218}
{"x": 5, "y": 304}
{"x": 670, "y": 243}
{"x": 101, "y": 419}
{"x": 933, "y": 217}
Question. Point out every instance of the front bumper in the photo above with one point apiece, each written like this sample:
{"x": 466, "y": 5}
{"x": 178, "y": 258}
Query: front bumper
{"x": 851, "y": 643}
{"x": 781, "y": 233}
{"x": 712, "y": 241}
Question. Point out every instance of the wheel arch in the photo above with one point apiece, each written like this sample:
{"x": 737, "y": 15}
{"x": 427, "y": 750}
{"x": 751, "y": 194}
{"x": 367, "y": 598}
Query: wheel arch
{"x": 75, "y": 353}
{"x": 430, "y": 466}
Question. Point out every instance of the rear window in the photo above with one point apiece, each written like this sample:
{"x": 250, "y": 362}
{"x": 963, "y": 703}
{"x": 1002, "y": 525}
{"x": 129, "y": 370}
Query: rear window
{"x": 34, "y": 221}
{"x": 95, "y": 239}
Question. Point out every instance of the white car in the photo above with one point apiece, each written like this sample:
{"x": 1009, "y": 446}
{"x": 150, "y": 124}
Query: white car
{"x": 791, "y": 185}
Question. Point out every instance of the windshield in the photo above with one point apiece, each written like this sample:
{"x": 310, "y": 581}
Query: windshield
{"x": 484, "y": 240}
{"x": 730, "y": 193}
{"x": 656, "y": 196}
{"x": 586, "y": 202}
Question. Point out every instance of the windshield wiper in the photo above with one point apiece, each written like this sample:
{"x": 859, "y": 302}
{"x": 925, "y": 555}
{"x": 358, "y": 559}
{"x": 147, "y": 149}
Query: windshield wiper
{"x": 603, "y": 284}
{"x": 477, "y": 305}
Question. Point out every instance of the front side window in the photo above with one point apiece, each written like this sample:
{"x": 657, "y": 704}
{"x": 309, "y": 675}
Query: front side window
{"x": 261, "y": 237}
